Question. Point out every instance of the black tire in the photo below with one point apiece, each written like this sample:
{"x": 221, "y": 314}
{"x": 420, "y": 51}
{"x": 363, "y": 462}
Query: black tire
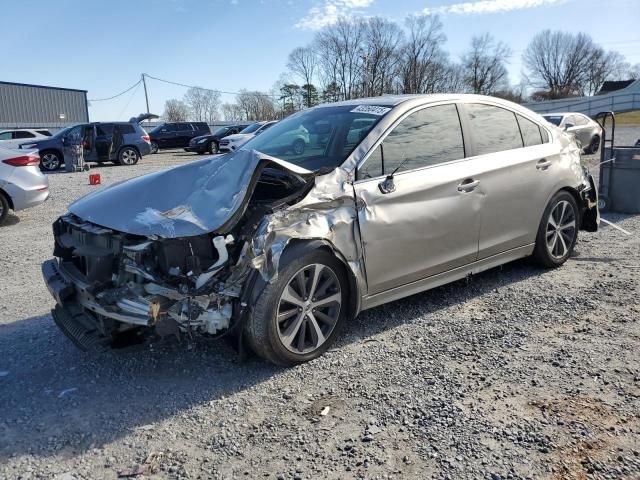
{"x": 128, "y": 156}
{"x": 4, "y": 208}
{"x": 154, "y": 147}
{"x": 213, "y": 147}
{"x": 298, "y": 146}
{"x": 603, "y": 203}
{"x": 262, "y": 329}
{"x": 552, "y": 253}
{"x": 594, "y": 145}
{"x": 50, "y": 160}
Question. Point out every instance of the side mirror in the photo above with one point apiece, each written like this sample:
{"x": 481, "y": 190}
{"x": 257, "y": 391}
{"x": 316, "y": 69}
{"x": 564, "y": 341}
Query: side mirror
{"x": 387, "y": 185}
{"x": 567, "y": 126}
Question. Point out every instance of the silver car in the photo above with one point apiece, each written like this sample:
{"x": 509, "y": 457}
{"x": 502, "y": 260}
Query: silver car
{"x": 22, "y": 185}
{"x": 392, "y": 196}
{"x": 588, "y": 132}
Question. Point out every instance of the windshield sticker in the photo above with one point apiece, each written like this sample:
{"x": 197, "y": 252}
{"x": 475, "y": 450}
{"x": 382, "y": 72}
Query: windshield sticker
{"x": 372, "y": 109}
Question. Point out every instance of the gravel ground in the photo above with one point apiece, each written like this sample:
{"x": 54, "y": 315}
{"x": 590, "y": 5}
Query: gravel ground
{"x": 515, "y": 373}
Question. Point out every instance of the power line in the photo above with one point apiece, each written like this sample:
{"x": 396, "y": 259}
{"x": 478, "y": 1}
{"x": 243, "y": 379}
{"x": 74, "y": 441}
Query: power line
{"x": 209, "y": 89}
{"x": 129, "y": 101}
{"x": 117, "y": 95}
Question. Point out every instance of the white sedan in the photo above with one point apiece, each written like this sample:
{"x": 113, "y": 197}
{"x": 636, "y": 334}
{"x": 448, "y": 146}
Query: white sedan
{"x": 22, "y": 184}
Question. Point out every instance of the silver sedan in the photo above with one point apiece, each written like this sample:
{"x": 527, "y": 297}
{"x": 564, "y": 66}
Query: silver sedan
{"x": 22, "y": 185}
{"x": 391, "y": 196}
{"x": 587, "y": 131}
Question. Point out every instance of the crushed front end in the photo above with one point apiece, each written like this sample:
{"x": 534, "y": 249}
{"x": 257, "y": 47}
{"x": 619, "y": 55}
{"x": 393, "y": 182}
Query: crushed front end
{"x": 107, "y": 283}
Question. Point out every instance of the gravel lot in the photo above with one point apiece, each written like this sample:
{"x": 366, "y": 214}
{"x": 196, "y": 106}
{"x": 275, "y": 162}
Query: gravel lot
{"x": 516, "y": 373}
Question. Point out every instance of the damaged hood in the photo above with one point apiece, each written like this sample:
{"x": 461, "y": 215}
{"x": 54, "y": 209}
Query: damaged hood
{"x": 193, "y": 199}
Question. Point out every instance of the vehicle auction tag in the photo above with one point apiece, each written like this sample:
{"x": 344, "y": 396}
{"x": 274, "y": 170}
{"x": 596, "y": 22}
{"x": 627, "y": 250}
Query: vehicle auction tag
{"x": 372, "y": 109}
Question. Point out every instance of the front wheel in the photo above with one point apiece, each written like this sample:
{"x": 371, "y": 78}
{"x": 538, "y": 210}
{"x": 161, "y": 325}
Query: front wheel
{"x": 213, "y": 148}
{"x": 128, "y": 156}
{"x": 558, "y": 231}
{"x": 298, "y": 317}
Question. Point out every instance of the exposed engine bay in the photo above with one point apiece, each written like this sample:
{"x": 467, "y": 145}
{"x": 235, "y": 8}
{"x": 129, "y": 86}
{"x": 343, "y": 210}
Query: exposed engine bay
{"x": 189, "y": 285}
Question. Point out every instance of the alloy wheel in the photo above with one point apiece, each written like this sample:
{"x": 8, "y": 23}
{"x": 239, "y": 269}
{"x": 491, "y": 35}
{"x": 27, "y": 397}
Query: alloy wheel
{"x": 561, "y": 229}
{"x": 50, "y": 161}
{"x": 128, "y": 156}
{"x": 298, "y": 147}
{"x": 213, "y": 148}
{"x": 309, "y": 308}
{"x": 154, "y": 147}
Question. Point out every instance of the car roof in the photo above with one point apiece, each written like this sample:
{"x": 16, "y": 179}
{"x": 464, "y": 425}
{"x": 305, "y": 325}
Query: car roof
{"x": 563, "y": 114}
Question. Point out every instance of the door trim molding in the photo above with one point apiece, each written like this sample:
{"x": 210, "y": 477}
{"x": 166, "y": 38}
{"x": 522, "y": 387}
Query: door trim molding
{"x": 443, "y": 278}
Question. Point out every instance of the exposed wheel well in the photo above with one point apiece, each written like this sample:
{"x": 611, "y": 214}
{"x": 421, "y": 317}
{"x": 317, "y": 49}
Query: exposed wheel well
{"x": 129, "y": 146}
{"x": 8, "y": 197}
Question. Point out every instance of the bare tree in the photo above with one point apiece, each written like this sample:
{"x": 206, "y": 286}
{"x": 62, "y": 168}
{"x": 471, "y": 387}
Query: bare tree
{"x": 303, "y": 63}
{"x": 423, "y": 62}
{"x": 203, "y": 104}
{"x": 559, "y": 62}
{"x": 256, "y": 105}
{"x": 175, "y": 111}
{"x": 232, "y": 112}
{"x": 382, "y": 40}
{"x": 340, "y": 53}
{"x": 484, "y": 65}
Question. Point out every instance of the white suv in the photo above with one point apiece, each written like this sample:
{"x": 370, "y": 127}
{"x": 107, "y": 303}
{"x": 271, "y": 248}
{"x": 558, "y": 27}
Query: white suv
{"x": 13, "y": 138}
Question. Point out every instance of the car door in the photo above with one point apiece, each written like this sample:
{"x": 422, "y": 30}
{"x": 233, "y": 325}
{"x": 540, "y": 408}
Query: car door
{"x": 516, "y": 179}
{"x": 167, "y": 137}
{"x": 104, "y": 132}
{"x": 429, "y": 221}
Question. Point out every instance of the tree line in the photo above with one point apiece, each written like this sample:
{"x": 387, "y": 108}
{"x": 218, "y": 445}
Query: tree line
{"x": 365, "y": 57}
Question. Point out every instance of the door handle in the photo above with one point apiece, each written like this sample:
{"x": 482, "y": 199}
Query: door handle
{"x": 543, "y": 164}
{"x": 468, "y": 185}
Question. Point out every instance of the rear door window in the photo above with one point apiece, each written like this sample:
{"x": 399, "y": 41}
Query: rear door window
{"x": 127, "y": 128}
{"x": 104, "y": 129}
{"x": 531, "y": 134}
{"x": 23, "y": 134}
{"x": 495, "y": 129}
{"x": 183, "y": 127}
{"x": 46, "y": 133}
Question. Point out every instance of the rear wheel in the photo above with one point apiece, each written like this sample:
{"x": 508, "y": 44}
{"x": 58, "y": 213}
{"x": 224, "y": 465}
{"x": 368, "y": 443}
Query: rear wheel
{"x": 128, "y": 156}
{"x": 298, "y": 317}
{"x": 558, "y": 231}
{"x": 154, "y": 147}
{"x": 213, "y": 147}
{"x": 298, "y": 147}
{"x": 50, "y": 160}
{"x": 4, "y": 208}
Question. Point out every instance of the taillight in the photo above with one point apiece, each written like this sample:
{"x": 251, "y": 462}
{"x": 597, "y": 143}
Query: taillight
{"x": 23, "y": 161}
{"x": 146, "y": 138}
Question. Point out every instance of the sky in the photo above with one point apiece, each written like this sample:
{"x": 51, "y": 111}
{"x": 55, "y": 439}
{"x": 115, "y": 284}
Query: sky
{"x": 228, "y": 45}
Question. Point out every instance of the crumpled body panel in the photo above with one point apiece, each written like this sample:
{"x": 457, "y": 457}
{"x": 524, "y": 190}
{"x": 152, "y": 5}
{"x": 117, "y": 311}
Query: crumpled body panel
{"x": 193, "y": 199}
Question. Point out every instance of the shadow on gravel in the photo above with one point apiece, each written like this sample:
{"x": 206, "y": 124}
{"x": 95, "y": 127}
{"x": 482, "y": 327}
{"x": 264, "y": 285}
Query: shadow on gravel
{"x": 55, "y": 399}
{"x": 10, "y": 221}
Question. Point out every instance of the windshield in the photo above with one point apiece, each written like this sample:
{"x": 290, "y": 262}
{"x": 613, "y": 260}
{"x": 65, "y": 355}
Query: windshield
{"x": 62, "y": 132}
{"x": 555, "y": 119}
{"x": 252, "y": 128}
{"x": 318, "y": 138}
{"x": 221, "y": 131}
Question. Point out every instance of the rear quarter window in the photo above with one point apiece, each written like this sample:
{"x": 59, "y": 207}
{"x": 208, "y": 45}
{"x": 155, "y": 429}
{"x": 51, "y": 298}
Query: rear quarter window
{"x": 531, "y": 132}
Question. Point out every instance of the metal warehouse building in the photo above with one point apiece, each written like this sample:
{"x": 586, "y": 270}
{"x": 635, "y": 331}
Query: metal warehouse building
{"x": 32, "y": 106}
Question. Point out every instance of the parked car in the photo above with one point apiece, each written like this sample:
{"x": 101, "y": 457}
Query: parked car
{"x": 122, "y": 143}
{"x": 209, "y": 143}
{"x": 587, "y": 131}
{"x": 408, "y": 193}
{"x": 22, "y": 184}
{"x": 233, "y": 142}
{"x": 176, "y": 134}
{"x": 13, "y": 138}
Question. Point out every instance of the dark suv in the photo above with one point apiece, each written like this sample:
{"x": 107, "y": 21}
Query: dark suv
{"x": 122, "y": 143}
{"x": 176, "y": 134}
{"x": 209, "y": 143}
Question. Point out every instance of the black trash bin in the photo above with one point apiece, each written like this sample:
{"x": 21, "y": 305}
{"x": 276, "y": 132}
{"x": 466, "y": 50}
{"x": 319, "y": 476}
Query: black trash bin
{"x": 621, "y": 179}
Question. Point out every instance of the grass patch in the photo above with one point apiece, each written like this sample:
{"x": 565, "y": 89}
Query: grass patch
{"x": 628, "y": 118}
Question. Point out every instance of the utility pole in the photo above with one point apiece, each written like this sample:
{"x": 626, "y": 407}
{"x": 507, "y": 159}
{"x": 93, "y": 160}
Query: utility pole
{"x": 146, "y": 96}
